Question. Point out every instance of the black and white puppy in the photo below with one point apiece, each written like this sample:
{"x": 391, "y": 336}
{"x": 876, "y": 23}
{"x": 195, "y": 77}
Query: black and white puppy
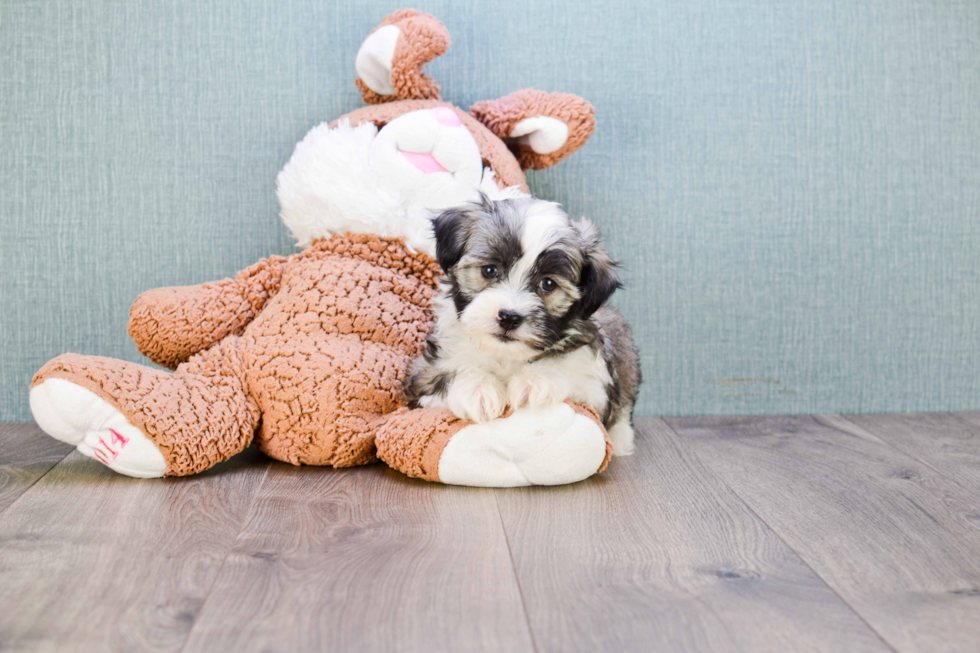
{"x": 522, "y": 319}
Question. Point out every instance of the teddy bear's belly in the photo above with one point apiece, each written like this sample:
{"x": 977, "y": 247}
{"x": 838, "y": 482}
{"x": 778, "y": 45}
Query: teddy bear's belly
{"x": 349, "y": 297}
{"x": 320, "y": 395}
{"x": 327, "y": 356}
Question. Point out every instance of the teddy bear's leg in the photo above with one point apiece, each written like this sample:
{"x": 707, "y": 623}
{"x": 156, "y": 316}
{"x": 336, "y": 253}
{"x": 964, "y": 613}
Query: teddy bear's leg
{"x": 143, "y": 422}
{"x": 554, "y": 445}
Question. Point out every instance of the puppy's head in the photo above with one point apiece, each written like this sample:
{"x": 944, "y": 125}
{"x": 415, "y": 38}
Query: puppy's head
{"x": 523, "y": 278}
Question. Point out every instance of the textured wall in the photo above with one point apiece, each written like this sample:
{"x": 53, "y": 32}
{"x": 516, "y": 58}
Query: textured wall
{"x": 794, "y": 187}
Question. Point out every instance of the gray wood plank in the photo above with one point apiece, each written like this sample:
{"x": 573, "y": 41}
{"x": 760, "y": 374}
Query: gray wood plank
{"x": 897, "y": 540}
{"x": 657, "y": 554}
{"x": 365, "y": 560}
{"x": 26, "y": 454}
{"x": 94, "y": 561}
{"x": 971, "y": 416}
{"x": 948, "y": 442}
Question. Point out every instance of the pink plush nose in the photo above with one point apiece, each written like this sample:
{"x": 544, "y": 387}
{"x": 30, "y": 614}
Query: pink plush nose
{"x": 423, "y": 161}
{"x": 446, "y": 116}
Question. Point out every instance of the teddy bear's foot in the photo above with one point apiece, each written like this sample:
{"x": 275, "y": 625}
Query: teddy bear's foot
{"x": 558, "y": 444}
{"x": 79, "y": 417}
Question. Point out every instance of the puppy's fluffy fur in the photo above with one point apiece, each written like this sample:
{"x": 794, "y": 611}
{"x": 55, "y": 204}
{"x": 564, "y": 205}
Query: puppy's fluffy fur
{"x": 522, "y": 320}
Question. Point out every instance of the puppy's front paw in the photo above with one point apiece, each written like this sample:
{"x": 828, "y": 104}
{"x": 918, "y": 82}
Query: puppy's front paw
{"x": 536, "y": 389}
{"x": 477, "y": 399}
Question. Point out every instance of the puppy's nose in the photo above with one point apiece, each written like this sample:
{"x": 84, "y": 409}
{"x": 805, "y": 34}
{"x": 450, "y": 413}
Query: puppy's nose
{"x": 509, "y": 320}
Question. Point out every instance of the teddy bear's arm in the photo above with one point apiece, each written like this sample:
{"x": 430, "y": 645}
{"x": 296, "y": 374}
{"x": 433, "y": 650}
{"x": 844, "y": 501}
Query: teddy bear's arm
{"x": 563, "y": 443}
{"x": 169, "y": 325}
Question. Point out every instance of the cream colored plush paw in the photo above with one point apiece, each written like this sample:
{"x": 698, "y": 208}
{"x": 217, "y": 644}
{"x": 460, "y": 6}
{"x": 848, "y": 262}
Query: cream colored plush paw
{"x": 72, "y": 414}
{"x": 546, "y": 446}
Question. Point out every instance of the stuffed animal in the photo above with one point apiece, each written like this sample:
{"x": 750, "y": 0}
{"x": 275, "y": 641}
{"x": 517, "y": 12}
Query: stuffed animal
{"x": 306, "y": 354}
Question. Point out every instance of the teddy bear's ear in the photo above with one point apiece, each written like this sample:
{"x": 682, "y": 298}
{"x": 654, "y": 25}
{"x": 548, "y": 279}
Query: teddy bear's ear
{"x": 389, "y": 62}
{"x": 540, "y": 128}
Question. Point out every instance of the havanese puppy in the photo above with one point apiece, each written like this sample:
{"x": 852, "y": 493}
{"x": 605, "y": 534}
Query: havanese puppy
{"x": 522, "y": 318}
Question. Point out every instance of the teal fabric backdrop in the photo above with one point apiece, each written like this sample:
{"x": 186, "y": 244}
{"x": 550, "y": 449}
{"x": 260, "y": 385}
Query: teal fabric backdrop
{"x": 793, "y": 187}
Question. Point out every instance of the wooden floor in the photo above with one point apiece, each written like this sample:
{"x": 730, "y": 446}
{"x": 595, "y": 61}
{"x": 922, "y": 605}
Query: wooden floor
{"x": 747, "y": 534}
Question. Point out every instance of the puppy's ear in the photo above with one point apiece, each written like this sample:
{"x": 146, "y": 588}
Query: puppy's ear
{"x": 600, "y": 277}
{"x": 451, "y": 229}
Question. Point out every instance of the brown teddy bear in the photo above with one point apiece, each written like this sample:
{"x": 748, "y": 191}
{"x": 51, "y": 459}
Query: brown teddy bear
{"x": 306, "y": 354}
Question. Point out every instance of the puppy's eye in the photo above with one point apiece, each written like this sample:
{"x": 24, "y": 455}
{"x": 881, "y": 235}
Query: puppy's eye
{"x": 547, "y": 285}
{"x": 489, "y": 271}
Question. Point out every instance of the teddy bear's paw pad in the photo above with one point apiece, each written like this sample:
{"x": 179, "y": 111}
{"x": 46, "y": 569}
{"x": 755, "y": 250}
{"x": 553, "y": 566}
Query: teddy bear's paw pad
{"x": 66, "y": 411}
{"x": 373, "y": 61}
{"x": 72, "y": 414}
{"x": 547, "y": 446}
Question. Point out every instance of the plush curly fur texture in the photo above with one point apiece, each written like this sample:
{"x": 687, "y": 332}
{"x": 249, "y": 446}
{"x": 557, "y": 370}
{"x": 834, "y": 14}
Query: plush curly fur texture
{"x": 317, "y": 368}
{"x": 415, "y": 446}
{"x": 501, "y": 116}
{"x": 422, "y": 38}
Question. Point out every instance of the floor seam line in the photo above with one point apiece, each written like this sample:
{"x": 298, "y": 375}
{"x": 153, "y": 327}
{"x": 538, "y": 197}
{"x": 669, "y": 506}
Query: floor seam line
{"x": 28, "y": 488}
{"x": 221, "y": 567}
{"x": 775, "y": 532}
{"x": 513, "y": 568}
{"x": 913, "y": 456}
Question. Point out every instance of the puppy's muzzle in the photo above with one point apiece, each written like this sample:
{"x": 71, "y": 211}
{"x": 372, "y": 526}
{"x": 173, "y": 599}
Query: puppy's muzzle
{"x": 509, "y": 320}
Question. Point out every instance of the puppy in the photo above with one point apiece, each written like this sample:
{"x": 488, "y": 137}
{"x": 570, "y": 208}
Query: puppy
{"x": 522, "y": 320}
